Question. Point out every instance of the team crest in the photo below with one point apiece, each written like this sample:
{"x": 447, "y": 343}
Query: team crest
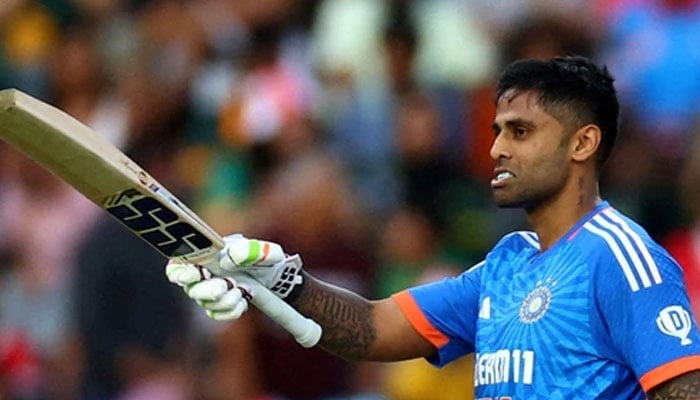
{"x": 537, "y": 302}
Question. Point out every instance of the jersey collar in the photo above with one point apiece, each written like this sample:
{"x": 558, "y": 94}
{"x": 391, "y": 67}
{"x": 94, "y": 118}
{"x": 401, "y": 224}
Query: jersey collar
{"x": 600, "y": 207}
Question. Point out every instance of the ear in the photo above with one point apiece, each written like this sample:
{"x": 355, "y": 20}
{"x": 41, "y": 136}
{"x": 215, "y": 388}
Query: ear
{"x": 585, "y": 143}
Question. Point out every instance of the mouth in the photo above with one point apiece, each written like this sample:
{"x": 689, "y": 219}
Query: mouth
{"x": 501, "y": 178}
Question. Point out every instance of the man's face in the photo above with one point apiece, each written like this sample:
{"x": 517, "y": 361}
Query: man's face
{"x": 530, "y": 150}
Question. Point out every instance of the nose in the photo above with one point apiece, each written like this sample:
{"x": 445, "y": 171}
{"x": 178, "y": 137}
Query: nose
{"x": 499, "y": 148}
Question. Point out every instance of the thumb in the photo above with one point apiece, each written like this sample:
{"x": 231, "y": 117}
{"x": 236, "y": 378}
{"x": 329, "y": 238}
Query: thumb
{"x": 241, "y": 252}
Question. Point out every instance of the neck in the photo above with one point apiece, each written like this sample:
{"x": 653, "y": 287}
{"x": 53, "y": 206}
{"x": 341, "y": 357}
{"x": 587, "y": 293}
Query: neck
{"x": 556, "y": 216}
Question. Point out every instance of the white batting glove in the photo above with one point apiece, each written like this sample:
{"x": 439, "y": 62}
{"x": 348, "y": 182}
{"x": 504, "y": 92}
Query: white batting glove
{"x": 223, "y": 299}
{"x": 265, "y": 261}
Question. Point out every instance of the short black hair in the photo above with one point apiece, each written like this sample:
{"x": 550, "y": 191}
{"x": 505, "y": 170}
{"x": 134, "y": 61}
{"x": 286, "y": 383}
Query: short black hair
{"x": 573, "y": 88}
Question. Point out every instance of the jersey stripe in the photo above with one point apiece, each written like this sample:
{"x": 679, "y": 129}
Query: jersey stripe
{"x": 653, "y": 268}
{"x": 531, "y": 238}
{"x": 477, "y": 265}
{"x": 629, "y": 250}
{"x": 615, "y": 248}
{"x": 669, "y": 371}
{"x": 417, "y": 318}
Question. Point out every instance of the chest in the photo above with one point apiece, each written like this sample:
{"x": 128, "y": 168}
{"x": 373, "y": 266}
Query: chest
{"x": 534, "y": 301}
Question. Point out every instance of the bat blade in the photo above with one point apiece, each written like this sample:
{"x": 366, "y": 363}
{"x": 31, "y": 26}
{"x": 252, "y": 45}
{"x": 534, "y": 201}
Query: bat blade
{"x": 110, "y": 179}
{"x": 106, "y": 176}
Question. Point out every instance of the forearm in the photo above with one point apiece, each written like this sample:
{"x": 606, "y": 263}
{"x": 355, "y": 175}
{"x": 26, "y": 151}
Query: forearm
{"x": 347, "y": 319}
{"x": 353, "y": 327}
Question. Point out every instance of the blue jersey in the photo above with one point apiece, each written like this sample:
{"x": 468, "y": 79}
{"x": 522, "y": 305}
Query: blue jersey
{"x": 603, "y": 313}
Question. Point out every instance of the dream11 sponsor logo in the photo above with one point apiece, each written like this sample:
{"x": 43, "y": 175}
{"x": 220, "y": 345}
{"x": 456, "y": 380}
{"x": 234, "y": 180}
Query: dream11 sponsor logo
{"x": 675, "y": 321}
{"x": 504, "y": 366}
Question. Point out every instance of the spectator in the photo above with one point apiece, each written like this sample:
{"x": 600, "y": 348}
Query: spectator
{"x": 684, "y": 243}
{"x": 318, "y": 217}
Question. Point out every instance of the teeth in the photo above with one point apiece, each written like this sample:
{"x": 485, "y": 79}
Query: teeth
{"x": 503, "y": 175}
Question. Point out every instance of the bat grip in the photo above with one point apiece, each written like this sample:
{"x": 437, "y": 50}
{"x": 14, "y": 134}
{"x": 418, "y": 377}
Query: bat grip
{"x": 306, "y": 331}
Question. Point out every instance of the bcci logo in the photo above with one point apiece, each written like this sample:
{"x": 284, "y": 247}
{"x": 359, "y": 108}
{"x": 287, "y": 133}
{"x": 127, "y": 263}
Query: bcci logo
{"x": 536, "y": 303}
{"x": 675, "y": 321}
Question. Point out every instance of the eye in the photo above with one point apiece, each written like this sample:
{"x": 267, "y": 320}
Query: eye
{"x": 519, "y": 131}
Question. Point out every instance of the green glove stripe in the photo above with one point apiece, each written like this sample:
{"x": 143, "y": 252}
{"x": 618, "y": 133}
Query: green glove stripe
{"x": 253, "y": 252}
{"x": 188, "y": 287}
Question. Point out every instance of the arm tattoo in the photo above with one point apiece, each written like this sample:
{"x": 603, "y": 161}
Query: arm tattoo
{"x": 346, "y": 318}
{"x": 683, "y": 387}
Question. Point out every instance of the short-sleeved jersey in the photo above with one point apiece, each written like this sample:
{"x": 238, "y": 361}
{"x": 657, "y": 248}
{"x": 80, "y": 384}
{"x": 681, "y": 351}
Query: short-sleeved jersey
{"x": 603, "y": 313}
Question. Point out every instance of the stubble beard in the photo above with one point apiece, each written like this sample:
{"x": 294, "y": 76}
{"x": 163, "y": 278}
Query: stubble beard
{"x": 527, "y": 199}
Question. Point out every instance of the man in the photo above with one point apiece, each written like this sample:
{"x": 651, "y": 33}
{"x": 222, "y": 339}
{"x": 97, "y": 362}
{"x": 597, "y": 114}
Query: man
{"x": 585, "y": 306}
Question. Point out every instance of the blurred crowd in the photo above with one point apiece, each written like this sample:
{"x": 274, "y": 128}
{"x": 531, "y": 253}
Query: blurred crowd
{"x": 354, "y": 132}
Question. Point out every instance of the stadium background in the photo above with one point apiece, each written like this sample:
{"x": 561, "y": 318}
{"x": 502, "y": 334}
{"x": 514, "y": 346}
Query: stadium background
{"x": 355, "y": 132}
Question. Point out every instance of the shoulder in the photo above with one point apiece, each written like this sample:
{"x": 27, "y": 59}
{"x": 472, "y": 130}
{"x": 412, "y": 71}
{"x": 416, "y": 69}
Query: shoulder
{"x": 615, "y": 243}
{"x": 517, "y": 241}
{"x": 510, "y": 252}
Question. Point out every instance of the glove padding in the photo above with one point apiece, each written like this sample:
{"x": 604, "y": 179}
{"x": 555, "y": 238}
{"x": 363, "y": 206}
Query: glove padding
{"x": 265, "y": 261}
{"x": 222, "y": 298}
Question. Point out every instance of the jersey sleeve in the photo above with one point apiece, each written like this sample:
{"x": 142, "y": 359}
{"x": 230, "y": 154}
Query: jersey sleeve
{"x": 645, "y": 311}
{"x": 445, "y": 313}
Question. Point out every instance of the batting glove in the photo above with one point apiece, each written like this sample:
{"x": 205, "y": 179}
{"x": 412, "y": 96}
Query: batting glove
{"x": 265, "y": 261}
{"x": 223, "y": 299}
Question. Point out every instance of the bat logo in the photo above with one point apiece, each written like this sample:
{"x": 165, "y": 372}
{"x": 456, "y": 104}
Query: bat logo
{"x": 141, "y": 175}
{"x": 156, "y": 224}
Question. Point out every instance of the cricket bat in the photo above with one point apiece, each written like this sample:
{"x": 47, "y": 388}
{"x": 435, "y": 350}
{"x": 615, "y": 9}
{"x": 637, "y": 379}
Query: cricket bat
{"x": 110, "y": 179}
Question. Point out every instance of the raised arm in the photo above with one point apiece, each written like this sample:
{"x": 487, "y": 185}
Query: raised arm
{"x": 355, "y": 328}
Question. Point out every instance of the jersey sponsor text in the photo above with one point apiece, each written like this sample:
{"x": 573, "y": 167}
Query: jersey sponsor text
{"x": 504, "y": 366}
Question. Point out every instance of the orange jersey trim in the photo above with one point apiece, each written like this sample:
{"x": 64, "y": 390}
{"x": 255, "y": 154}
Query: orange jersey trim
{"x": 668, "y": 371}
{"x": 415, "y": 316}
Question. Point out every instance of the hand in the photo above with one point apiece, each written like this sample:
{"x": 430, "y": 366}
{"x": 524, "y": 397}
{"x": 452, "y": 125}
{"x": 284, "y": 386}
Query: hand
{"x": 259, "y": 265}
{"x": 222, "y": 298}
{"x": 265, "y": 261}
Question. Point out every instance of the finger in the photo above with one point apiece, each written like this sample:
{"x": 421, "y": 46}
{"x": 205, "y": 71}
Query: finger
{"x": 227, "y": 302}
{"x": 181, "y": 274}
{"x": 242, "y": 252}
{"x": 246, "y": 292}
{"x": 208, "y": 290}
{"x": 228, "y": 315}
{"x": 185, "y": 274}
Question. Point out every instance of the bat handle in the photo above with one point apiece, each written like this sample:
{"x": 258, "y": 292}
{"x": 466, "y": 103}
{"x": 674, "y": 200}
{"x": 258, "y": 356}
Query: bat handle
{"x": 306, "y": 331}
